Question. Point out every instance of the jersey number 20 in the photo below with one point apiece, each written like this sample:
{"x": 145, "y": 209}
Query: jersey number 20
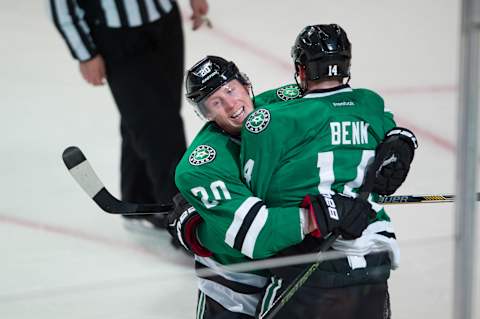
{"x": 217, "y": 188}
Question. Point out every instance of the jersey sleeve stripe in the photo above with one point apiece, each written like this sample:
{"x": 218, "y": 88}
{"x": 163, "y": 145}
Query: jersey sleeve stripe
{"x": 303, "y": 222}
{"x": 254, "y": 230}
{"x": 237, "y": 222}
{"x": 243, "y": 278}
{"x": 247, "y": 222}
{"x": 378, "y": 236}
{"x": 233, "y": 285}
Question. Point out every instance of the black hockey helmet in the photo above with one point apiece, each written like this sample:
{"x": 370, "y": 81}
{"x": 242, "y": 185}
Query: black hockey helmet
{"x": 324, "y": 50}
{"x": 207, "y": 76}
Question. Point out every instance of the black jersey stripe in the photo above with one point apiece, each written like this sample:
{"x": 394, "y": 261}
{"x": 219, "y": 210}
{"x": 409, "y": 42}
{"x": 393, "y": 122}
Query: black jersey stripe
{"x": 142, "y": 6}
{"x": 122, "y": 13}
{"x": 231, "y": 284}
{"x": 54, "y": 10}
{"x": 247, "y": 222}
{"x": 387, "y": 234}
{"x": 159, "y": 7}
{"x": 235, "y": 286}
{"x": 71, "y": 7}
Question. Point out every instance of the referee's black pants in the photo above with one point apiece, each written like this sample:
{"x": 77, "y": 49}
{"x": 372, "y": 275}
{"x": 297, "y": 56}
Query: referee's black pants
{"x": 145, "y": 67}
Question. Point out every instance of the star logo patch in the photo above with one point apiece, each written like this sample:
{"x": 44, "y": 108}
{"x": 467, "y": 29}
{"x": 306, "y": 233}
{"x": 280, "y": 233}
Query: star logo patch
{"x": 258, "y": 121}
{"x": 288, "y": 92}
{"x": 202, "y": 154}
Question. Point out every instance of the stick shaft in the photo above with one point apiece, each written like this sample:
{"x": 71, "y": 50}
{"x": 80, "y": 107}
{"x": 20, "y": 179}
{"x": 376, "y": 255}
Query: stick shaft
{"x": 417, "y": 199}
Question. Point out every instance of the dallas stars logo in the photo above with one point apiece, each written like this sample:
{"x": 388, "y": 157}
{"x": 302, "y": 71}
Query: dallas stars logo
{"x": 258, "y": 121}
{"x": 288, "y": 92}
{"x": 201, "y": 155}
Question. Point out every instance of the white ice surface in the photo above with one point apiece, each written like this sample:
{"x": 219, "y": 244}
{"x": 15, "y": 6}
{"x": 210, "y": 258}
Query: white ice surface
{"x": 61, "y": 257}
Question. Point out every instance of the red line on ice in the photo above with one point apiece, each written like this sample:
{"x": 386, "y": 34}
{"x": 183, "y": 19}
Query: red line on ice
{"x": 70, "y": 232}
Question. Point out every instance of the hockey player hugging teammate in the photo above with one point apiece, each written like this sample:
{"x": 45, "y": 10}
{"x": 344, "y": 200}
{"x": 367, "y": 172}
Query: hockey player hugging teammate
{"x": 322, "y": 144}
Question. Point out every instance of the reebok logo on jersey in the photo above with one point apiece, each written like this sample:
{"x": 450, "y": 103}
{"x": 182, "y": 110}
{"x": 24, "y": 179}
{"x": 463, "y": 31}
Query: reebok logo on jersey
{"x": 288, "y": 92}
{"x": 201, "y": 155}
{"x": 344, "y": 103}
{"x": 332, "y": 208}
{"x": 258, "y": 121}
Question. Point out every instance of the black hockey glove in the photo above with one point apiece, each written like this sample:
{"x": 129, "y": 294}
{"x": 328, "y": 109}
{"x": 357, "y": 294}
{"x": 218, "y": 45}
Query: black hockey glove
{"x": 182, "y": 223}
{"x": 395, "y": 154}
{"x": 339, "y": 214}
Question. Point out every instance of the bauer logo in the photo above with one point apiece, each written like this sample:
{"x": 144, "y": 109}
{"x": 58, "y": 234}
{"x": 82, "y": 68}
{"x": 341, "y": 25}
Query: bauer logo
{"x": 258, "y": 121}
{"x": 332, "y": 208}
{"x": 289, "y": 92}
{"x": 201, "y": 155}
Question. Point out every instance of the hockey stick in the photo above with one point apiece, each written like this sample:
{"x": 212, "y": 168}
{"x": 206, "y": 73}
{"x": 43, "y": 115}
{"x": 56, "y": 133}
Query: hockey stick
{"x": 417, "y": 199}
{"x": 85, "y": 176}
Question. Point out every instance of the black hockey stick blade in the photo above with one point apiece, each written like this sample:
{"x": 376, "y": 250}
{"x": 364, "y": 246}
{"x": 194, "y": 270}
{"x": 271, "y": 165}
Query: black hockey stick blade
{"x": 85, "y": 176}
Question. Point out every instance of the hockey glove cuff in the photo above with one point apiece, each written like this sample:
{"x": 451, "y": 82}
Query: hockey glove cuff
{"x": 182, "y": 226}
{"x": 338, "y": 214}
{"x": 395, "y": 154}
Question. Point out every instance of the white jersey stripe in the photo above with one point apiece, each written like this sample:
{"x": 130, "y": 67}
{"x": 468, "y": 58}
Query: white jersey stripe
{"x": 153, "y": 13}
{"x": 231, "y": 300}
{"x": 81, "y": 14}
{"x": 326, "y": 174}
{"x": 370, "y": 242}
{"x": 322, "y": 94}
{"x": 133, "y": 13}
{"x": 253, "y": 232}
{"x": 201, "y": 305}
{"x": 240, "y": 214}
{"x": 240, "y": 277}
{"x": 69, "y": 30}
{"x": 111, "y": 13}
{"x": 357, "y": 182}
{"x": 166, "y": 5}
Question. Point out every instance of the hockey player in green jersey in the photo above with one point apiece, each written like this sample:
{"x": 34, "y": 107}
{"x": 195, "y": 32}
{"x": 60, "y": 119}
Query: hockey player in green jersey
{"x": 209, "y": 177}
{"x": 229, "y": 225}
{"x": 320, "y": 144}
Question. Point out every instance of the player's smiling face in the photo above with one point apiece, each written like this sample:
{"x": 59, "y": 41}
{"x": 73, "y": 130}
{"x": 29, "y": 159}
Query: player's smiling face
{"x": 229, "y": 106}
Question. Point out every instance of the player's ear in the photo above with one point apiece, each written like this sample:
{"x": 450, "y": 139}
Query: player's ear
{"x": 302, "y": 74}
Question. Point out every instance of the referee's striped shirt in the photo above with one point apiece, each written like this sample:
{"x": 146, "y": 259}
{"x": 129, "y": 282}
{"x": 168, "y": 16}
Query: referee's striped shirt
{"x": 69, "y": 19}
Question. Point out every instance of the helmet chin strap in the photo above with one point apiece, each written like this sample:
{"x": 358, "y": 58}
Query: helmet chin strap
{"x": 302, "y": 89}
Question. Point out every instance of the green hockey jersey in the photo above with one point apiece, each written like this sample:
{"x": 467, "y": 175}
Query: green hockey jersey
{"x": 237, "y": 224}
{"x": 319, "y": 143}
